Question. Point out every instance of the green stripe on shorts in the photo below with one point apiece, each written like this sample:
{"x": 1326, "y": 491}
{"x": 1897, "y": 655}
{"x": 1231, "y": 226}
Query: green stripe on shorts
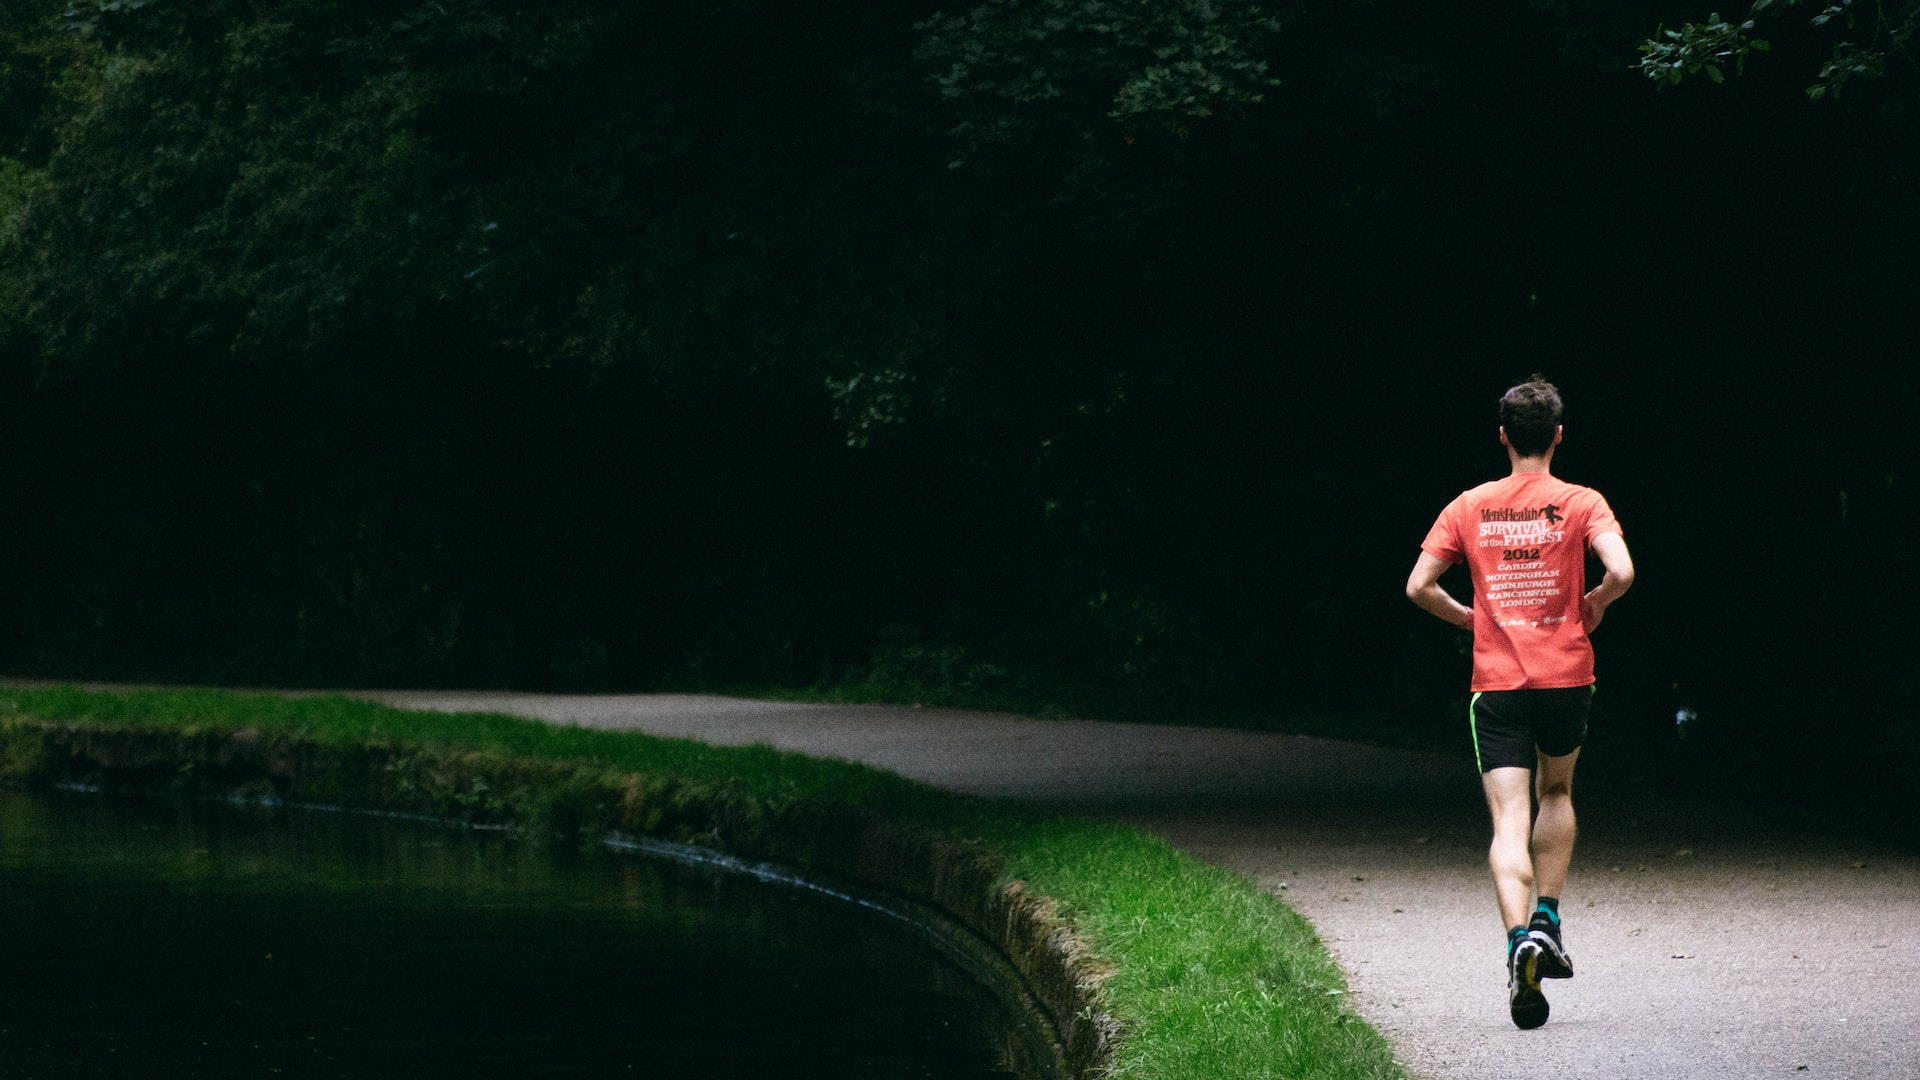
{"x": 1473, "y": 728}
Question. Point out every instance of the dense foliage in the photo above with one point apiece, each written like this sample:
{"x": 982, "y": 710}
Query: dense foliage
{"x": 1868, "y": 38}
{"x": 1076, "y": 351}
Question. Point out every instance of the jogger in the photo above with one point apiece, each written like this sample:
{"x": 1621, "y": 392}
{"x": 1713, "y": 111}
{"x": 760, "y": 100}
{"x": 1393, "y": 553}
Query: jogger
{"x": 1525, "y": 540}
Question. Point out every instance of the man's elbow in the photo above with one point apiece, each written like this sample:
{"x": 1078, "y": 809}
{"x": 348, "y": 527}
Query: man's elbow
{"x": 1622, "y": 577}
{"x": 1414, "y": 588}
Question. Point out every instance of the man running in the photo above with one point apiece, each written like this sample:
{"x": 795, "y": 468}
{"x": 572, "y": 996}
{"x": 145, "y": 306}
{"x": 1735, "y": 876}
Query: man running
{"x": 1525, "y": 539}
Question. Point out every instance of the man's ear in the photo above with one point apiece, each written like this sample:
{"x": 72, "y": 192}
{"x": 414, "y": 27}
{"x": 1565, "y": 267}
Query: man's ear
{"x": 1558, "y": 430}
{"x": 1503, "y": 436}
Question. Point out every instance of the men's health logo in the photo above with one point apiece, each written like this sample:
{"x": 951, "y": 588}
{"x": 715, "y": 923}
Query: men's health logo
{"x": 1549, "y": 513}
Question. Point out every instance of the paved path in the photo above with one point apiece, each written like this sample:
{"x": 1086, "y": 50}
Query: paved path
{"x": 1707, "y": 945}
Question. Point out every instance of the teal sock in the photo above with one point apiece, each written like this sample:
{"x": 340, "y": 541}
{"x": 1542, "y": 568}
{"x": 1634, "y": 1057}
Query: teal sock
{"x": 1514, "y": 937}
{"x": 1548, "y": 906}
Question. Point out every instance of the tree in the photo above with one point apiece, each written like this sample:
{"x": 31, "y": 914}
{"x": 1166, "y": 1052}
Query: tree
{"x": 582, "y": 185}
{"x": 1874, "y": 39}
{"x": 1096, "y": 69}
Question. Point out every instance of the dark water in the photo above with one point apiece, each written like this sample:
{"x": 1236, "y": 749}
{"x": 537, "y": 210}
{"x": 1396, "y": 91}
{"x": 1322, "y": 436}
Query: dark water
{"x": 156, "y": 939}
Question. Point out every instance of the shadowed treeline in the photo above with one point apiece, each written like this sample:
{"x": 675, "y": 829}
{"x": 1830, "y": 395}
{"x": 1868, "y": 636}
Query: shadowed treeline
{"x": 1055, "y": 354}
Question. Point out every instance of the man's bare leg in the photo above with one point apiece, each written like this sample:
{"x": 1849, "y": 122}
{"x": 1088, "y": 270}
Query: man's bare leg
{"x": 1553, "y": 835}
{"x": 1553, "y": 826}
{"x": 1510, "y": 801}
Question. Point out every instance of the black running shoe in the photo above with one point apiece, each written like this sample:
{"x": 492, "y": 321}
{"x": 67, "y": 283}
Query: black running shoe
{"x": 1555, "y": 961}
{"x": 1525, "y": 1003}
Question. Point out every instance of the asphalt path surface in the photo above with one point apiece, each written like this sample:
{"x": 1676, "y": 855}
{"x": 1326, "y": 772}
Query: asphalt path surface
{"x": 1706, "y": 943}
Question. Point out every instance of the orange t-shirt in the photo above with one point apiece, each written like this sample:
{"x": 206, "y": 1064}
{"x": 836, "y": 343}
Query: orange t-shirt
{"x": 1524, "y": 540}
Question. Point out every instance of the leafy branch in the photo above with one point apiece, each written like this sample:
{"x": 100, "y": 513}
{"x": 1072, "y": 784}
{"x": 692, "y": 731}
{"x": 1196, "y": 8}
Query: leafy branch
{"x": 1710, "y": 47}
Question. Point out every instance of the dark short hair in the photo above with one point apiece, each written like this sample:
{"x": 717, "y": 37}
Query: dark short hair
{"x": 1530, "y": 412}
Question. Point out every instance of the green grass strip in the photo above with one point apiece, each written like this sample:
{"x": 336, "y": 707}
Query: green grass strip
{"x": 1213, "y": 978}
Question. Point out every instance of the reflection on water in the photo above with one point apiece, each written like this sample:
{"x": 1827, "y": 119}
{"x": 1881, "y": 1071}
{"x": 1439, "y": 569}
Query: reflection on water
{"x": 167, "y": 940}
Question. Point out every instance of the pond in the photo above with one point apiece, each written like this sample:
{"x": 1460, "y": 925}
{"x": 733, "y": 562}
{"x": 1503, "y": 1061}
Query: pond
{"x": 163, "y": 939}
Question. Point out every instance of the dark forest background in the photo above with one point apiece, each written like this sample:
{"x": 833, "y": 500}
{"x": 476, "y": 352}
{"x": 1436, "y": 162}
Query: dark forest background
{"x": 1064, "y": 354}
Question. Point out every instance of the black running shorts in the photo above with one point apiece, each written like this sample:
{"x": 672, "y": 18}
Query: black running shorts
{"x": 1510, "y": 725}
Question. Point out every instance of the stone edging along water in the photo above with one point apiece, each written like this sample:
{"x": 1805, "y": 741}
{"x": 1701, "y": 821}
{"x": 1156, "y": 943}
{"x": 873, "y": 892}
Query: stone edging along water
{"x": 935, "y": 875}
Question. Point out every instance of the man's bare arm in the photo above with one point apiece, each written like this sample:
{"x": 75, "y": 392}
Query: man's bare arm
{"x": 1612, "y": 551}
{"x": 1423, "y": 588}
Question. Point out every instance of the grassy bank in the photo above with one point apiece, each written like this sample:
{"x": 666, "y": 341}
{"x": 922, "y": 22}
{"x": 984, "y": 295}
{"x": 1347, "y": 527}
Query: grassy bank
{"x": 1211, "y": 978}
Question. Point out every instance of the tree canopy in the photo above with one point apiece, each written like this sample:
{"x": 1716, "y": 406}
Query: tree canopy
{"x": 1048, "y": 350}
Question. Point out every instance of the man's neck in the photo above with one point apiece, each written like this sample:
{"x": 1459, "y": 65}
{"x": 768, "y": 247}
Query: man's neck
{"x": 1531, "y": 465}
